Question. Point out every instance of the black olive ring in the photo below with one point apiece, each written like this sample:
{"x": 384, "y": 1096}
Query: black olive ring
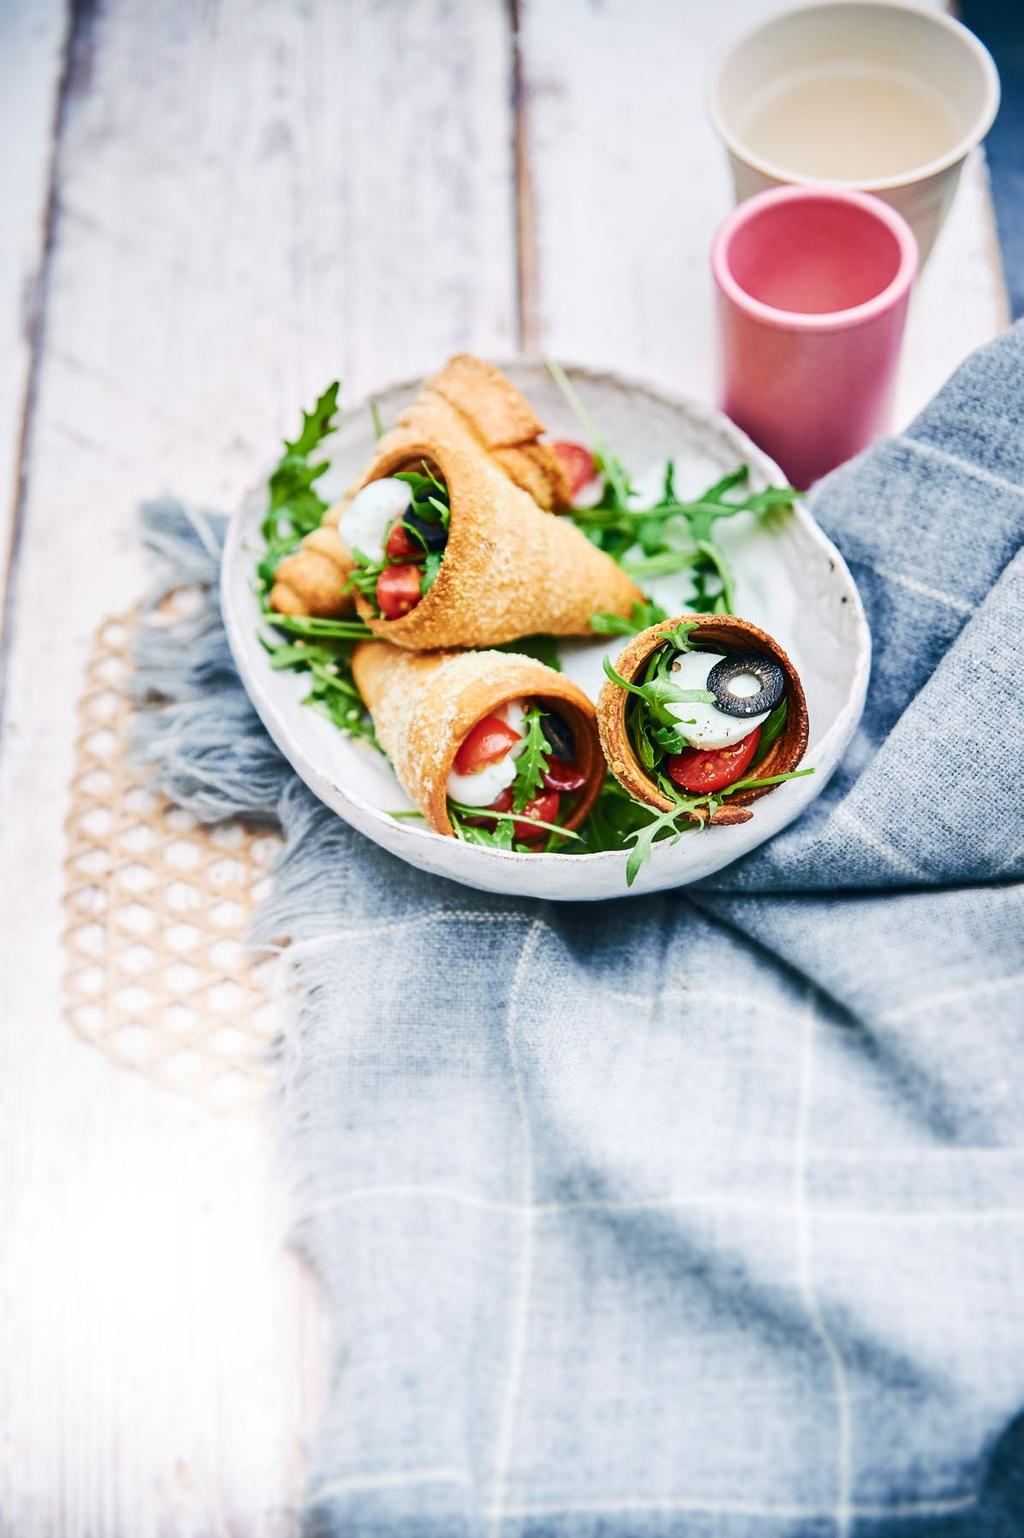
{"x": 746, "y": 664}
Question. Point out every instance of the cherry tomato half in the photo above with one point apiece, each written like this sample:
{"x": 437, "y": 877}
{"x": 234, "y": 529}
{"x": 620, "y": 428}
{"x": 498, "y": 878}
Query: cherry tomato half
{"x": 489, "y": 740}
{"x": 704, "y": 769}
{"x": 543, "y": 806}
{"x": 562, "y": 776}
{"x": 578, "y": 464}
{"x": 401, "y": 546}
{"x": 398, "y": 590}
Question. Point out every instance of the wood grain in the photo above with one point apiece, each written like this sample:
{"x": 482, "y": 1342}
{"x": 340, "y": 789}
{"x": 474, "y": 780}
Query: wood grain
{"x": 32, "y": 39}
{"x": 250, "y": 199}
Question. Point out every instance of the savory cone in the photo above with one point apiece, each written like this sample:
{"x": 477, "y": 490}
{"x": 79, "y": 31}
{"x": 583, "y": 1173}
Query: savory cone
{"x": 312, "y": 581}
{"x": 509, "y": 569}
{"x": 723, "y": 633}
{"x": 424, "y": 705}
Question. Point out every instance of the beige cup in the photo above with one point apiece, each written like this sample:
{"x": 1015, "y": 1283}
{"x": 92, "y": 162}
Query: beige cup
{"x": 827, "y": 52}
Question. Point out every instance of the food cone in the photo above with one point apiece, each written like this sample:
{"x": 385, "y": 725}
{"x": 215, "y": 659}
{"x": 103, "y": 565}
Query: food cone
{"x": 312, "y": 580}
{"x": 509, "y": 569}
{"x": 424, "y": 705}
{"x": 716, "y": 632}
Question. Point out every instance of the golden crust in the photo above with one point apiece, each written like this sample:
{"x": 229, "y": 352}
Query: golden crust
{"x": 311, "y": 580}
{"x": 424, "y": 704}
{"x": 499, "y": 414}
{"x": 509, "y": 569}
{"x": 536, "y": 468}
{"x": 721, "y": 632}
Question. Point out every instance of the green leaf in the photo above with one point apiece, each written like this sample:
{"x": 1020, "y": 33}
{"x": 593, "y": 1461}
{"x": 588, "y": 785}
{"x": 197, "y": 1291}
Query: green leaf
{"x": 770, "y": 731}
{"x": 531, "y": 762}
{"x": 378, "y": 425}
{"x": 659, "y": 693}
{"x": 543, "y": 647}
{"x": 316, "y": 424}
{"x": 510, "y": 818}
{"x": 431, "y": 567}
{"x": 498, "y": 837}
{"x": 641, "y": 617}
{"x": 307, "y": 625}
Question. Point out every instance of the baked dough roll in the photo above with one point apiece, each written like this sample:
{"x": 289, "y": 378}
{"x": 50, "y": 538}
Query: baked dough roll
{"x": 462, "y": 727}
{"x": 450, "y": 549}
{"x": 312, "y": 580}
{"x": 750, "y": 724}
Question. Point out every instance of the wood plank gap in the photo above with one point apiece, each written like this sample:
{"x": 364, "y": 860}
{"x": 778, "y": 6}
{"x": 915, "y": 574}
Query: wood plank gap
{"x": 524, "y": 212}
{"x": 78, "y": 30}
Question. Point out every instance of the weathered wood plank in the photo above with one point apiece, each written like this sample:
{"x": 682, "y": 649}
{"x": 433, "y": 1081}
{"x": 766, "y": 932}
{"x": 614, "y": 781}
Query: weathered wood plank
{"x": 251, "y": 198}
{"x": 628, "y": 182}
{"x": 31, "y": 56}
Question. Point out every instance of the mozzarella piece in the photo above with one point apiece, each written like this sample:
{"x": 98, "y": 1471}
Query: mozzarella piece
{"x": 366, "y": 522}
{"x": 487, "y": 784}
{"x": 711, "y": 727}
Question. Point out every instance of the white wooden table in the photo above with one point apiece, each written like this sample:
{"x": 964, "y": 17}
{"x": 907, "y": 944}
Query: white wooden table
{"x": 211, "y": 208}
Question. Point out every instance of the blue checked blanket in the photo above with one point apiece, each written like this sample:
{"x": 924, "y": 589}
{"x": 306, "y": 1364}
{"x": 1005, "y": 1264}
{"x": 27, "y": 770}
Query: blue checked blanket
{"x": 694, "y": 1214}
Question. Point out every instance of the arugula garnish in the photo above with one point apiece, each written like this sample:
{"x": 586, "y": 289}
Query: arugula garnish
{"x": 294, "y": 506}
{"x": 431, "y": 567}
{"x": 641, "y": 617}
{"x": 332, "y": 689}
{"x": 470, "y": 833}
{"x": 364, "y": 576}
{"x": 532, "y": 760}
{"x": 429, "y": 495}
{"x": 675, "y": 535}
{"x": 319, "y": 648}
{"x": 685, "y": 814}
{"x": 769, "y": 731}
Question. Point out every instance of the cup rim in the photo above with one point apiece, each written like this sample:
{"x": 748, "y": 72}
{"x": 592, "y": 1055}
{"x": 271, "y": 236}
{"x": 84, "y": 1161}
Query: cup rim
{"x": 926, "y": 169}
{"x": 816, "y": 320}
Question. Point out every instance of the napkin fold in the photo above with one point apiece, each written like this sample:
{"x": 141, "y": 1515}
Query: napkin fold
{"x": 692, "y": 1214}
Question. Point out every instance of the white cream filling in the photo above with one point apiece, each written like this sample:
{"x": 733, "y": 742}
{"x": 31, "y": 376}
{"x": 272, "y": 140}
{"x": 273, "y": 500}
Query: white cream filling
{"x": 711, "y": 727}
{"x": 487, "y": 784}
{"x": 366, "y": 522}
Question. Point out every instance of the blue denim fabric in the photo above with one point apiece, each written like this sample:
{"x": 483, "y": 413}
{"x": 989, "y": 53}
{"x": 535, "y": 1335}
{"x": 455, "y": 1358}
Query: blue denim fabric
{"x": 700, "y": 1213}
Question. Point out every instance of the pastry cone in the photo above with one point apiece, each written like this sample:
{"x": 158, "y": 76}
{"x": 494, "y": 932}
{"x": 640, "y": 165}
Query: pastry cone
{"x": 717, "y": 632}
{"x": 508, "y": 569}
{"x": 312, "y": 580}
{"x": 504, "y": 421}
{"x": 424, "y": 705}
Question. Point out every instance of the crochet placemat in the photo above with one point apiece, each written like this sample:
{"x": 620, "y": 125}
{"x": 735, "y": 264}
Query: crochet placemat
{"x": 157, "y": 906}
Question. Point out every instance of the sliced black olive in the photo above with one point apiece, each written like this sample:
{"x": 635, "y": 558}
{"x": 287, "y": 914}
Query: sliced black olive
{"x": 433, "y": 536}
{"x": 559, "y": 735}
{"x": 723, "y": 676}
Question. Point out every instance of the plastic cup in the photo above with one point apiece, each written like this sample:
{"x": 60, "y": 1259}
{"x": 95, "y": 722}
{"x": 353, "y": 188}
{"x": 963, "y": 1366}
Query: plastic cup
{"x": 880, "y": 42}
{"x": 812, "y": 291}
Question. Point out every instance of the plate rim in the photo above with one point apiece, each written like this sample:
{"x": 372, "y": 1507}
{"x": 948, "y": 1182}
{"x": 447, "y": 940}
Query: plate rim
{"x": 704, "y": 414}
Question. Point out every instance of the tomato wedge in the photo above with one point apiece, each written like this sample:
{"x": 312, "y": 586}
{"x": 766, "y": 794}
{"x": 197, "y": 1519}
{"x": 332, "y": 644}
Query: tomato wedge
{"x": 489, "y": 740}
{"x": 544, "y": 807}
{"x": 578, "y": 464}
{"x": 398, "y": 590}
{"x": 562, "y": 776}
{"x": 706, "y": 769}
{"x": 401, "y": 546}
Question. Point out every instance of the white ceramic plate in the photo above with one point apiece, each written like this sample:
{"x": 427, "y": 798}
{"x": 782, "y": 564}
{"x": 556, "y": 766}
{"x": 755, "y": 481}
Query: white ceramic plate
{"x": 790, "y": 580}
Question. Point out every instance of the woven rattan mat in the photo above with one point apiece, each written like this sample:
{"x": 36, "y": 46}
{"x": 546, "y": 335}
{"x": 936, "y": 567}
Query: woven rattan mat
{"x": 157, "y": 907}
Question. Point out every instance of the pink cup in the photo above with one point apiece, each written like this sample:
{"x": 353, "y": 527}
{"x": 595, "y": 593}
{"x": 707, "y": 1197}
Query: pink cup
{"x": 813, "y": 285}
